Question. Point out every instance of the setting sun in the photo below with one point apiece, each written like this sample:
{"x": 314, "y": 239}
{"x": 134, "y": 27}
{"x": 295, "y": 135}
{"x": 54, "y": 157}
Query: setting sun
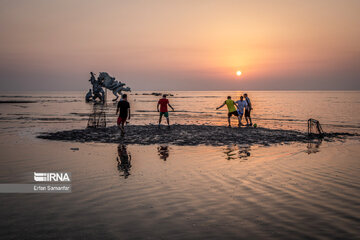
{"x": 238, "y": 73}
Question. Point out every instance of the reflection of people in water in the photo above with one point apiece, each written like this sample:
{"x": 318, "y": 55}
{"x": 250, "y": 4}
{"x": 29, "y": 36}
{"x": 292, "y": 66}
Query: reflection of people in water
{"x": 243, "y": 152}
{"x": 124, "y": 160}
{"x": 163, "y": 152}
{"x": 230, "y": 152}
{"x": 313, "y": 147}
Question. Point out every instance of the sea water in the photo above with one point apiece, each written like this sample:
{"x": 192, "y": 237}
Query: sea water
{"x": 287, "y": 191}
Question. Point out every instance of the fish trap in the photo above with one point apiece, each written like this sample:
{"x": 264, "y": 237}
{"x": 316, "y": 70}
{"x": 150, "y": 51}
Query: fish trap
{"x": 314, "y": 128}
{"x": 97, "y": 120}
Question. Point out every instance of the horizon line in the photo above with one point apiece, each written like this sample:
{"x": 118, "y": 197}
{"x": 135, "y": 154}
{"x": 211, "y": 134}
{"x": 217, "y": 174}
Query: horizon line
{"x": 249, "y": 90}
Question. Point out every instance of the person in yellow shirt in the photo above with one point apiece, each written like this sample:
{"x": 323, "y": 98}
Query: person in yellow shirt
{"x": 231, "y": 105}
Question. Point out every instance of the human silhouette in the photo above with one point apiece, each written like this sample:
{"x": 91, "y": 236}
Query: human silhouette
{"x": 123, "y": 160}
{"x": 163, "y": 152}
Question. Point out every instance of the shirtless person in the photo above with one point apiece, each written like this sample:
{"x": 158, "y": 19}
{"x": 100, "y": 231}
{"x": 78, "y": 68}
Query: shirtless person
{"x": 248, "y": 109}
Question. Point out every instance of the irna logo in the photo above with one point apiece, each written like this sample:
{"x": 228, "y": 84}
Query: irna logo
{"x": 51, "y": 177}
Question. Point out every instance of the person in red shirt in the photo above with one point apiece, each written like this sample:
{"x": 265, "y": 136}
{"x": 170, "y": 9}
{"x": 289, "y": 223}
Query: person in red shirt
{"x": 163, "y": 103}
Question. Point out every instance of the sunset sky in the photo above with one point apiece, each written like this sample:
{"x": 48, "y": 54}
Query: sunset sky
{"x": 181, "y": 45}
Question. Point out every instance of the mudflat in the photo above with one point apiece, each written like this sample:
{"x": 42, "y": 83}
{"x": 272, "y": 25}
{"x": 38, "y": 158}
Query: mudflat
{"x": 186, "y": 135}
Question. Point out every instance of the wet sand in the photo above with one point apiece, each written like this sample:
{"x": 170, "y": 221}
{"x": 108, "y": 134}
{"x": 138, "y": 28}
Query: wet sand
{"x": 186, "y": 135}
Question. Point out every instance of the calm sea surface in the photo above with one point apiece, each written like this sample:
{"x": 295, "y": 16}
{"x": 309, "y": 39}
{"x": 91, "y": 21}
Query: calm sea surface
{"x": 336, "y": 111}
{"x": 291, "y": 191}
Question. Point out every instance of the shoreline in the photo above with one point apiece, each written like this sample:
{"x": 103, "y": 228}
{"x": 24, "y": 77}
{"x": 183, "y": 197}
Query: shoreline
{"x": 188, "y": 135}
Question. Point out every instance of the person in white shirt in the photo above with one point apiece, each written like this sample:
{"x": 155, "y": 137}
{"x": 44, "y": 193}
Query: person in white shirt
{"x": 241, "y": 105}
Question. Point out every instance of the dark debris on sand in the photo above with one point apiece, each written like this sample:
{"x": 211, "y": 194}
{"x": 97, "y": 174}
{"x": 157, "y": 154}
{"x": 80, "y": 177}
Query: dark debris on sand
{"x": 186, "y": 135}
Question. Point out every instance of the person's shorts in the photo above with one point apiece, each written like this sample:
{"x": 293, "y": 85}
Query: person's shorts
{"x": 121, "y": 120}
{"x": 166, "y": 114}
{"x": 235, "y": 113}
{"x": 247, "y": 113}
